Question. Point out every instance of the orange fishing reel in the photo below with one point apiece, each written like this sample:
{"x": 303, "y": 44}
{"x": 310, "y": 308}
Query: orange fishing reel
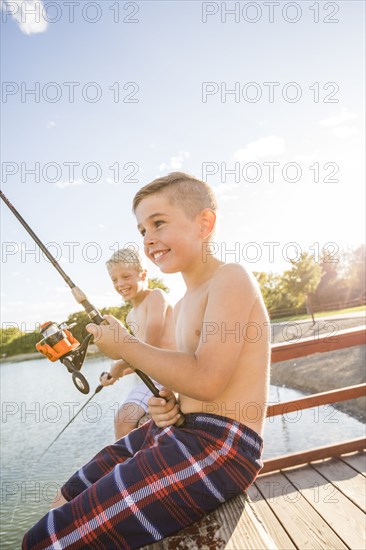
{"x": 59, "y": 344}
{"x": 57, "y": 341}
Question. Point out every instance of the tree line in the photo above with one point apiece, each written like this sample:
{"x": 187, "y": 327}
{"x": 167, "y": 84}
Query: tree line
{"x": 332, "y": 282}
{"x": 13, "y": 341}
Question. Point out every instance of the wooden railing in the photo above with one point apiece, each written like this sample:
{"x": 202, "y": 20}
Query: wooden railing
{"x": 324, "y": 398}
{"x": 319, "y": 344}
{"x": 325, "y": 451}
{"x": 308, "y": 346}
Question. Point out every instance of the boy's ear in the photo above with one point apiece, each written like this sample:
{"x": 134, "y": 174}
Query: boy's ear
{"x": 207, "y": 222}
{"x": 144, "y": 274}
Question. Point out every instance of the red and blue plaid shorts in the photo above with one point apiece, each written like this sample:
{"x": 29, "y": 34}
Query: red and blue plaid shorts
{"x": 150, "y": 484}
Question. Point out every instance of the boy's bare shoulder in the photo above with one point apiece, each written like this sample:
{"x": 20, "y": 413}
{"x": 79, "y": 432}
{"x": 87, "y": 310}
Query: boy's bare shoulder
{"x": 232, "y": 293}
{"x": 157, "y": 297}
{"x": 236, "y": 276}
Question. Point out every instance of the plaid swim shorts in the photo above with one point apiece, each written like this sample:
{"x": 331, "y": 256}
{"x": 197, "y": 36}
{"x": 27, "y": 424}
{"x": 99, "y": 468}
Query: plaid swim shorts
{"x": 150, "y": 484}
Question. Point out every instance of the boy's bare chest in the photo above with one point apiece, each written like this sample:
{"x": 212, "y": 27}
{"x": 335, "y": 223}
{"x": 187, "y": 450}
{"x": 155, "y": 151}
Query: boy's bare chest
{"x": 136, "y": 321}
{"x": 188, "y": 324}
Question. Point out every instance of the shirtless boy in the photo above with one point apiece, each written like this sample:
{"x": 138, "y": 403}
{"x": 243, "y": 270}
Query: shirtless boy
{"x": 155, "y": 481}
{"x": 150, "y": 319}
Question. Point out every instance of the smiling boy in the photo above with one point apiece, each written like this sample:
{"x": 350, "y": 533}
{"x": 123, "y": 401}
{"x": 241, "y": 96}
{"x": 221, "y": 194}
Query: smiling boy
{"x": 150, "y": 319}
{"x": 155, "y": 481}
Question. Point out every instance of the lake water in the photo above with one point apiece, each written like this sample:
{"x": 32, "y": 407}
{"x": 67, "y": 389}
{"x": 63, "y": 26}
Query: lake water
{"x": 39, "y": 398}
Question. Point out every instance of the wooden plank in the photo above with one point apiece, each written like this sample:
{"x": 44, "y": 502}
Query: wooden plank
{"x": 249, "y": 532}
{"x": 302, "y": 457}
{"x": 315, "y": 400}
{"x": 233, "y": 526}
{"x": 346, "y": 479}
{"x": 273, "y": 526}
{"x": 319, "y": 344}
{"x": 304, "y": 525}
{"x": 356, "y": 461}
{"x": 347, "y": 521}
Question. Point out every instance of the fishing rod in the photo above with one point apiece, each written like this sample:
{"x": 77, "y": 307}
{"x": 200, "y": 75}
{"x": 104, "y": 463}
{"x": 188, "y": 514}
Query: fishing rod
{"x": 58, "y": 342}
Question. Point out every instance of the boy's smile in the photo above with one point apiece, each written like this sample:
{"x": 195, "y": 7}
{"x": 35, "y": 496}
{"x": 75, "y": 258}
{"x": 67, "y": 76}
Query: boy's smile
{"x": 127, "y": 281}
{"x": 159, "y": 254}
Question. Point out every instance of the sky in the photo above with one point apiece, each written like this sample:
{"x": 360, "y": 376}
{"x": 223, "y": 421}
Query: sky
{"x": 263, "y": 100}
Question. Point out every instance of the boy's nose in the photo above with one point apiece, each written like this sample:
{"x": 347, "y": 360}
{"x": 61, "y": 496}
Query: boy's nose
{"x": 148, "y": 239}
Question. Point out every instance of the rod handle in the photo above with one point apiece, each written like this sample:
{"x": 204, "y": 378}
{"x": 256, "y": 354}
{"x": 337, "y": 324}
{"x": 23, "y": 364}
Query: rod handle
{"x": 144, "y": 377}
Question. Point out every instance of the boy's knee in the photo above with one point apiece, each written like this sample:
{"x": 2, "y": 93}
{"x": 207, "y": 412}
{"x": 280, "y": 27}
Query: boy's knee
{"x": 127, "y": 419}
{"x": 58, "y": 501}
{"x": 144, "y": 418}
{"x": 129, "y": 413}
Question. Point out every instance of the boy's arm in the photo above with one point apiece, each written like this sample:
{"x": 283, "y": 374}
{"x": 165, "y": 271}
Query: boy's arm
{"x": 204, "y": 374}
{"x": 155, "y": 318}
{"x": 118, "y": 369}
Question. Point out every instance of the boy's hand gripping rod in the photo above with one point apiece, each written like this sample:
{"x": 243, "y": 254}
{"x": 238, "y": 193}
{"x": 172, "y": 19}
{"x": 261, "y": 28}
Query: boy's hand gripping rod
{"x": 78, "y": 294}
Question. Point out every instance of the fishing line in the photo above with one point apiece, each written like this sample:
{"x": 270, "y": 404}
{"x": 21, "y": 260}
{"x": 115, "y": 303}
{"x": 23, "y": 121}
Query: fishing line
{"x": 97, "y": 390}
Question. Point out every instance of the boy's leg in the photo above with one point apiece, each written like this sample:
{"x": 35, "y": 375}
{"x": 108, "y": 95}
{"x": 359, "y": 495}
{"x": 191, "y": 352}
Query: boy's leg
{"x": 127, "y": 418}
{"x": 182, "y": 475}
{"x": 133, "y": 409}
{"x": 58, "y": 501}
{"x": 105, "y": 461}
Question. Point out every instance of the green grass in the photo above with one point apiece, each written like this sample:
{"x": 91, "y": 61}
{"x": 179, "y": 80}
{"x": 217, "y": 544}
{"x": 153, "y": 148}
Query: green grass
{"x": 318, "y": 314}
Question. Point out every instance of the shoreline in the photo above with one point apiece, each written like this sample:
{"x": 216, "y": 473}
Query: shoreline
{"x": 280, "y": 332}
{"x": 324, "y": 372}
{"x": 20, "y": 357}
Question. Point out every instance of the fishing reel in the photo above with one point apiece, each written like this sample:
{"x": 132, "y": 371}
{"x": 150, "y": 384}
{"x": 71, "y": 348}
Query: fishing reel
{"x": 59, "y": 344}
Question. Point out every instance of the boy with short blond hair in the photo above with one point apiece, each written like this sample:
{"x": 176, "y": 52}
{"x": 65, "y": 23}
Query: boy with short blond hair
{"x": 150, "y": 319}
{"x": 155, "y": 481}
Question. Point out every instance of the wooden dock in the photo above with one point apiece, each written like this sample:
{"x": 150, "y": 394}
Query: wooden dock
{"x": 314, "y": 499}
{"x": 319, "y": 505}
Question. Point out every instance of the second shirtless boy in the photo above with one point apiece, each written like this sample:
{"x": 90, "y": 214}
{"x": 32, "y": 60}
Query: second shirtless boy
{"x": 150, "y": 320}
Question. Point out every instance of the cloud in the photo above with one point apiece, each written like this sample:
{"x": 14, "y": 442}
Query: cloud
{"x": 67, "y": 183}
{"x": 335, "y": 120}
{"x": 29, "y": 14}
{"x": 310, "y": 158}
{"x": 62, "y": 289}
{"x": 344, "y": 131}
{"x": 229, "y": 198}
{"x": 50, "y": 124}
{"x": 334, "y": 123}
{"x": 263, "y": 147}
{"x": 224, "y": 191}
{"x": 223, "y": 188}
{"x": 111, "y": 181}
{"x": 175, "y": 163}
